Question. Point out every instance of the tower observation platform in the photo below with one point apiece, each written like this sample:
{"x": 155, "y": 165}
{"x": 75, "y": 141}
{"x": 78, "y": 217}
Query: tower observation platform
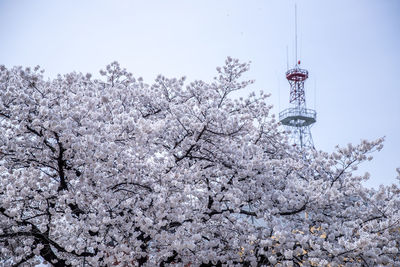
{"x": 295, "y": 117}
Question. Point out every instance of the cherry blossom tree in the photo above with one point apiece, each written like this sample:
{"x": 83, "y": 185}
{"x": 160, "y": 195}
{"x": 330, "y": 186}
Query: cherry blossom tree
{"x": 113, "y": 171}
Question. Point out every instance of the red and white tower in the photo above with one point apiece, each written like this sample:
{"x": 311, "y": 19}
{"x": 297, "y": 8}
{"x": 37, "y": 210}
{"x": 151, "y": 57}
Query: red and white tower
{"x": 298, "y": 119}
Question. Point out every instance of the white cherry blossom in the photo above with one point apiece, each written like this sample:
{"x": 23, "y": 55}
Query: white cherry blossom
{"x": 114, "y": 171}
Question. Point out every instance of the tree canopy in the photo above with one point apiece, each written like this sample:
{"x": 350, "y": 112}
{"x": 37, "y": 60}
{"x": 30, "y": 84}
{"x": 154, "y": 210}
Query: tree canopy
{"x": 114, "y": 171}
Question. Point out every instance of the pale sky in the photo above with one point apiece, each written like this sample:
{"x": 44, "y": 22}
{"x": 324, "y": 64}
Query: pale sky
{"x": 350, "y": 48}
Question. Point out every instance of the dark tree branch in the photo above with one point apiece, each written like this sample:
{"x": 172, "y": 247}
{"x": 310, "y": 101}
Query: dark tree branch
{"x": 292, "y": 212}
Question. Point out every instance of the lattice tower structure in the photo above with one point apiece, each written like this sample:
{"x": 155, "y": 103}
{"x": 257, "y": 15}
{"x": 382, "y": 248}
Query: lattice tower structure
{"x": 298, "y": 119}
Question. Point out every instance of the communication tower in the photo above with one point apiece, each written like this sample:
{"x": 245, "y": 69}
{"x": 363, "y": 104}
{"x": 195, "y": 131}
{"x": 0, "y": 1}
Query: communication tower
{"x": 298, "y": 119}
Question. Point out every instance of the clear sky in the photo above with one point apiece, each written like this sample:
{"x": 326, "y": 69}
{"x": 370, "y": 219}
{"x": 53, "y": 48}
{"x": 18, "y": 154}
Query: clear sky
{"x": 350, "y": 47}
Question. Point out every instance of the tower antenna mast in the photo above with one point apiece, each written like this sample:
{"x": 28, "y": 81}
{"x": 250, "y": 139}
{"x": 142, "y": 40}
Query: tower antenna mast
{"x": 298, "y": 119}
{"x": 287, "y": 58}
{"x": 295, "y": 31}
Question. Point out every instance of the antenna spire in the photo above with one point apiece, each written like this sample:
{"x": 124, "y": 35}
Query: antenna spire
{"x": 287, "y": 58}
{"x": 295, "y": 31}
